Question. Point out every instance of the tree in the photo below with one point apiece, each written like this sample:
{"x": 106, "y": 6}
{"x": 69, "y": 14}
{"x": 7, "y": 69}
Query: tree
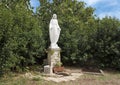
{"x": 85, "y": 40}
{"x": 72, "y": 16}
{"x": 107, "y": 42}
{"x": 21, "y": 41}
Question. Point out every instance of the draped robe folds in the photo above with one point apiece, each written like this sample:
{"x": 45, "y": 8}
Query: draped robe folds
{"x": 54, "y": 32}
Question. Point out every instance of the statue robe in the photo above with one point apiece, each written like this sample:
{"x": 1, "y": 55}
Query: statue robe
{"x": 54, "y": 32}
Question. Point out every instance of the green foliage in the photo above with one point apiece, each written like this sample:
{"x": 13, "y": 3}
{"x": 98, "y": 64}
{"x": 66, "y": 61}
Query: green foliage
{"x": 58, "y": 64}
{"x": 106, "y": 43}
{"x": 85, "y": 40}
{"x": 21, "y": 41}
{"x": 72, "y": 17}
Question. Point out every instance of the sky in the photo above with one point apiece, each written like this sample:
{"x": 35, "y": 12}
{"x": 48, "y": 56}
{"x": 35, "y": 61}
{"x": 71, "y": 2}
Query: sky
{"x": 102, "y": 7}
{"x": 35, "y": 4}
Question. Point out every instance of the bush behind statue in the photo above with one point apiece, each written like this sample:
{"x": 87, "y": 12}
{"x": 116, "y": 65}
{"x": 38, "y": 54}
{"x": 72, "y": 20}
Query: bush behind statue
{"x": 84, "y": 39}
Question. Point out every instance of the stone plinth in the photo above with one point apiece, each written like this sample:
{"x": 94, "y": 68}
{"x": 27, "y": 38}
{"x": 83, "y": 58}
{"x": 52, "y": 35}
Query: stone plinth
{"x": 47, "y": 69}
{"x": 53, "y": 56}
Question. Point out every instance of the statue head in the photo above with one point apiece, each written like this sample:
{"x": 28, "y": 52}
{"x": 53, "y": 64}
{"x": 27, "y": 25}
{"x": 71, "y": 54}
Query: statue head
{"x": 54, "y": 16}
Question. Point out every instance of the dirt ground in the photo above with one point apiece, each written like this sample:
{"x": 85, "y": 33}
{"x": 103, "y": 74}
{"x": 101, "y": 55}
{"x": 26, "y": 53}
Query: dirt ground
{"x": 88, "y": 78}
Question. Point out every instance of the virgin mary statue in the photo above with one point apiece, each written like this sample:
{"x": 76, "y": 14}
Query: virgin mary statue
{"x": 54, "y": 31}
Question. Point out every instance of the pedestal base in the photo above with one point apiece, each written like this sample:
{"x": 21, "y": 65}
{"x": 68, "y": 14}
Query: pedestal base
{"x": 53, "y": 58}
{"x": 48, "y": 69}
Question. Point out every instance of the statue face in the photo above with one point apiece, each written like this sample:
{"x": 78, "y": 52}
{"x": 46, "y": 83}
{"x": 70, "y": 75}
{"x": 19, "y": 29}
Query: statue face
{"x": 54, "y": 16}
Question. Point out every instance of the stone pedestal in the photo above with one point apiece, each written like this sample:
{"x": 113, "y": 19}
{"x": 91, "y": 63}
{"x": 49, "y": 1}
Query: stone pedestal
{"x": 53, "y": 58}
{"x": 47, "y": 69}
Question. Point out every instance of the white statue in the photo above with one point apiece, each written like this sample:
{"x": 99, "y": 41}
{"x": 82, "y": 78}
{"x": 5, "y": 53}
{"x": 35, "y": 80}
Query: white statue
{"x": 54, "y": 31}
